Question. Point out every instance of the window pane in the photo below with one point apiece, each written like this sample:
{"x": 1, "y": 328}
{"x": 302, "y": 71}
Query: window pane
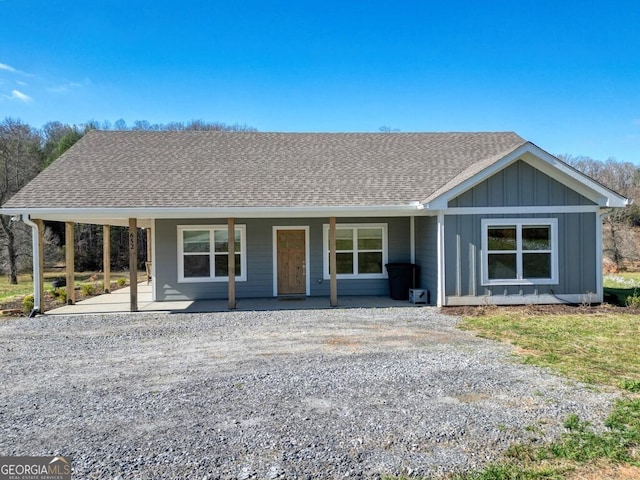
{"x": 195, "y": 241}
{"x": 237, "y": 244}
{"x": 344, "y": 239}
{"x": 369, "y": 239}
{"x": 502, "y": 238}
{"x": 536, "y": 237}
{"x": 222, "y": 265}
{"x": 196, "y": 266}
{"x": 221, "y": 239}
{"x": 370, "y": 262}
{"x": 536, "y": 265}
{"x": 344, "y": 263}
{"x": 502, "y": 266}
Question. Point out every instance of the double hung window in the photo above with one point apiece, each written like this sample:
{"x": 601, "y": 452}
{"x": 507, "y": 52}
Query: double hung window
{"x": 203, "y": 253}
{"x": 361, "y": 250}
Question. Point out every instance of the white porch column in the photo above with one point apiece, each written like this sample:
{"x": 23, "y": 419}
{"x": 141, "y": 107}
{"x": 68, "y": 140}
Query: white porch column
{"x": 441, "y": 287}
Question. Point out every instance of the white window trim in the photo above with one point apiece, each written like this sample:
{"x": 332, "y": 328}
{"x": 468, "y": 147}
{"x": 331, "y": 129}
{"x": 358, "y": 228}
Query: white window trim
{"x": 339, "y": 226}
{"x": 212, "y": 278}
{"x": 519, "y": 223}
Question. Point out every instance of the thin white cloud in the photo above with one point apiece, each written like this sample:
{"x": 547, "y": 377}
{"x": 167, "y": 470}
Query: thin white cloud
{"x": 18, "y": 95}
{"x": 8, "y": 68}
{"x": 64, "y": 88}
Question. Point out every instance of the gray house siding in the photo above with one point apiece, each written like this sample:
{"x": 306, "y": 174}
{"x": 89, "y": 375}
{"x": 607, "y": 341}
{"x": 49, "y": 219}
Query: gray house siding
{"x": 426, "y": 230}
{"x": 576, "y": 256}
{"x": 259, "y": 242}
{"x": 519, "y": 184}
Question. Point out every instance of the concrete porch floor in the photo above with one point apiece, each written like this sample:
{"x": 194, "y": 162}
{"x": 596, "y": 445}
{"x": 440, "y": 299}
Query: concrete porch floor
{"x": 118, "y": 302}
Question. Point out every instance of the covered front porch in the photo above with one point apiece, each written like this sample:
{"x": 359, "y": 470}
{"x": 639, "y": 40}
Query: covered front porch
{"x": 118, "y": 301}
{"x": 166, "y": 290}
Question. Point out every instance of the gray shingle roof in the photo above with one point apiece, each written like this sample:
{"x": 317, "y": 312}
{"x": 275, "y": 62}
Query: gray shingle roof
{"x": 247, "y": 169}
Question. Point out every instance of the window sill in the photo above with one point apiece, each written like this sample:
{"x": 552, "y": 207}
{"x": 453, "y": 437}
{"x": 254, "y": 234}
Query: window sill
{"x": 541, "y": 281}
{"x": 209, "y": 280}
{"x": 362, "y": 276}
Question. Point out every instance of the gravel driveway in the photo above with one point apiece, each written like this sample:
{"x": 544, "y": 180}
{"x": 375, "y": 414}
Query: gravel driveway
{"x": 355, "y": 393}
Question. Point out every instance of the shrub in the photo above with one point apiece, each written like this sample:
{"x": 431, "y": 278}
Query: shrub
{"x": 88, "y": 289}
{"x": 27, "y": 304}
{"x": 62, "y": 295}
{"x": 633, "y": 300}
{"x": 121, "y": 282}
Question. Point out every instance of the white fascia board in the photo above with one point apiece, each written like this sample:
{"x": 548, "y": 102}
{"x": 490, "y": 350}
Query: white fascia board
{"x": 549, "y": 210}
{"x": 115, "y": 215}
{"x": 576, "y": 180}
{"x": 546, "y": 163}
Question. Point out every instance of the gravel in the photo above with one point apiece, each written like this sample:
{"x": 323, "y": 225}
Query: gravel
{"x": 354, "y": 393}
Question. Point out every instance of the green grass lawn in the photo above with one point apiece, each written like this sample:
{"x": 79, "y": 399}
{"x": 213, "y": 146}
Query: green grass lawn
{"x": 600, "y": 348}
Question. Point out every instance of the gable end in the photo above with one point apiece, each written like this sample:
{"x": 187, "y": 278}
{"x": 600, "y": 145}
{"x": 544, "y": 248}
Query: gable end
{"x": 519, "y": 184}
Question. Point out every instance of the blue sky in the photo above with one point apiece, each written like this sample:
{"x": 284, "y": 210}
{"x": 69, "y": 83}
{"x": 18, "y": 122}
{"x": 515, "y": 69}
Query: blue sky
{"x": 563, "y": 74}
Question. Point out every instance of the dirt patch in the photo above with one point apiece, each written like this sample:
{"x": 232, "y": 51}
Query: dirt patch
{"x": 531, "y": 310}
{"x": 611, "y": 472}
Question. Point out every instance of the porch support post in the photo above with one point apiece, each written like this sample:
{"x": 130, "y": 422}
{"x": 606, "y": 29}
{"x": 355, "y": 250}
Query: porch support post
{"x": 133, "y": 264}
{"x": 333, "y": 282}
{"x": 70, "y": 262}
{"x": 231, "y": 242}
{"x": 149, "y": 254}
{"x": 106, "y": 257}
{"x": 39, "y": 305}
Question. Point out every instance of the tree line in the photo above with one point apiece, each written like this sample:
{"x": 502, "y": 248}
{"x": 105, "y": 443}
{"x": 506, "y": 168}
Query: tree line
{"x": 24, "y": 152}
{"x": 621, "y": 226}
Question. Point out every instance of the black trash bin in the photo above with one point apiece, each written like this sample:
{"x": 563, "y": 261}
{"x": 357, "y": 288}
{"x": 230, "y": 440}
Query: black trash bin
{"x": 401, "y": 279}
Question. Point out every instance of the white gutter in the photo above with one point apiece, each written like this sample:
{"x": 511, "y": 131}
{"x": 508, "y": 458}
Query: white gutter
{"x": 208, "y": 212}
{"x": 37, "y": 301}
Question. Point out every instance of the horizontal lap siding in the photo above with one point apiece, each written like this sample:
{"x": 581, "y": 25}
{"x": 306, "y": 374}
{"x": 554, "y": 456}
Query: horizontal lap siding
{"x": 260, "y": 259}
{"x": 399, "y": 252}
{"x": 576, "y": 256}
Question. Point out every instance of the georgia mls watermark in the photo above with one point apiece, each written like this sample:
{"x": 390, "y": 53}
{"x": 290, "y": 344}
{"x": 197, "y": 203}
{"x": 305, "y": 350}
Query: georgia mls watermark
{"x": 35, "y": 468}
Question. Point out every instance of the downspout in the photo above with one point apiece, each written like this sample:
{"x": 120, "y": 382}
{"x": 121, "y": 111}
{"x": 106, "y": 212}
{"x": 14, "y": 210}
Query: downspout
{"x": 37, "y": 301}
{"x": 600, "y": 254}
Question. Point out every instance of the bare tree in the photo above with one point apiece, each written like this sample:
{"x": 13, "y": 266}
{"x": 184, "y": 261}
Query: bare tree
{"x": 20, "y": 160}
{"x": 620, "y": 244}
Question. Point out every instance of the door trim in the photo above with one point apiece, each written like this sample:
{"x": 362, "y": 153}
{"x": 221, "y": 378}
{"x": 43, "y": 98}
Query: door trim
{"x": 274, "y": 256}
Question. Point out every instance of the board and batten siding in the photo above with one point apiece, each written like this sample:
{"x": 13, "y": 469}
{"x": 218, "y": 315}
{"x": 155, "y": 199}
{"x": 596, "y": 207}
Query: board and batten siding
{"x": 576, "y": 257}
{"x": 259, "y": 242}
{"x": 519, "y": 185}
{"x": 427, "y": 255}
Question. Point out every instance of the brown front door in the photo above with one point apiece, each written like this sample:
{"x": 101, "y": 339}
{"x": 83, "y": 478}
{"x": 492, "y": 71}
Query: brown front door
{"x": 291, "y": 262}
